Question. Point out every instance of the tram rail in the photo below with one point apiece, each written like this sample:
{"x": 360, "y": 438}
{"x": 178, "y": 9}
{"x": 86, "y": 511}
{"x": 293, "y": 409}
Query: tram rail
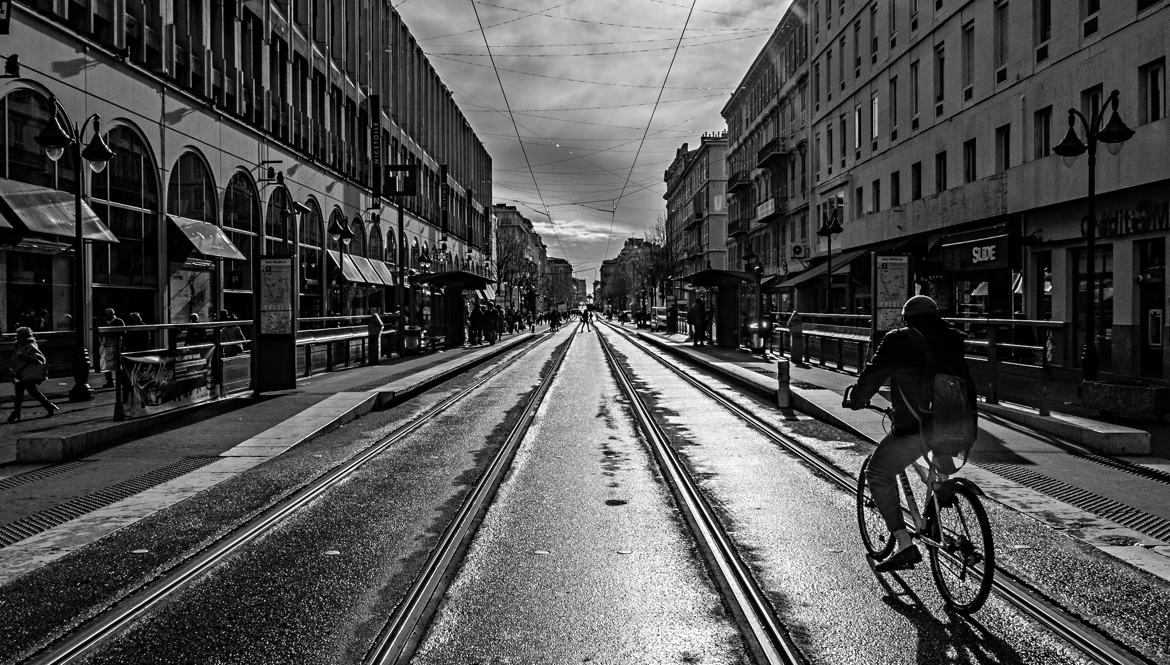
{"x": 1030, "y": 601}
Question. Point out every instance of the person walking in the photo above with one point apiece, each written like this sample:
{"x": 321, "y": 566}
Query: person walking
{"x": 475, "y": 324}
{"x": 29, "y": 369}
{"x": 136, "y": 340}
{"x": 109, "y": 345}
{"x": 586, "y": 317}
{"x": 697, "y": 317}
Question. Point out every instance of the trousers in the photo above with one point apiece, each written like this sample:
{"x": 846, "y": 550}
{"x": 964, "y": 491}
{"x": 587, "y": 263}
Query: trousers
{"x": 894, "y": 453}
{"x": 31, "y": 387}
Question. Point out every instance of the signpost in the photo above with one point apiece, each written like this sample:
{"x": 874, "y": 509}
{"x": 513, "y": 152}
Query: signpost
{"x": 277, "y": 344}
{"x": 891, "y": 290}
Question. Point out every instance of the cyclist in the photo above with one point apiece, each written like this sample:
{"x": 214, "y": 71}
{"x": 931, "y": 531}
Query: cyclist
{"x": 901, "y": 358}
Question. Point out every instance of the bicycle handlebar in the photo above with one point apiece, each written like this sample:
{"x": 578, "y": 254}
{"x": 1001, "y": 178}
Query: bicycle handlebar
{"x": 846, "y": 402}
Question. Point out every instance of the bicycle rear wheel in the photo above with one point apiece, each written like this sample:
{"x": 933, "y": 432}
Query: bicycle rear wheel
{"x": 963, "y": 562}
{"x": 874, "y": 533}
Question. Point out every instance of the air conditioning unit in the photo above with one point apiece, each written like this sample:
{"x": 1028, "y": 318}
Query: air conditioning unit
{"x": 799, "y": 251}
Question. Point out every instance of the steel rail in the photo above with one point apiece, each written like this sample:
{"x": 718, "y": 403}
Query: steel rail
{"x": 1015, "y": 591}
{"x": 124, "y": 612}
{"x": 400, "y": 636}
{"x": 767, "y": 639}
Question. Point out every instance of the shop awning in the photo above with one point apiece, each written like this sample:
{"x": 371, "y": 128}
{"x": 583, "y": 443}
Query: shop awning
{"x": 840, "y": 264}
{"x": 460, "y": 279}
{"x": 369, "y": 275}
{"x": 383, "y": 271}
{"x": 715, "y": 277}
{"x": 48, "y": 211}
{"x": 488, "y": 292}
{"x": 350, "y": 271}
{"x": 207, "y": 238}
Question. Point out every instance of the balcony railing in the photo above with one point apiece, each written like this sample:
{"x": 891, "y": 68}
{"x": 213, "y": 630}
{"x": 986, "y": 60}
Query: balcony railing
{"x": 737, "y": 180}
{"x": 770, "y": 209}
{"x": 773, "y": 150}
{"x": 737, "y": 227}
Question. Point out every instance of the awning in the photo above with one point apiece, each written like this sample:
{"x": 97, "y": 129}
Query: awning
{"x": 383, "y": 271}
{"x": 460, "y": 279}
{"x": 49, "y": 212}
{"x": 715, "y": 277}
{"x": 349, "y": 267}
{"x": 207, "y": 238}
{"x": 369, "y": 275}
{"x": 488, "y": 292}
{"x": 840, "y": 262}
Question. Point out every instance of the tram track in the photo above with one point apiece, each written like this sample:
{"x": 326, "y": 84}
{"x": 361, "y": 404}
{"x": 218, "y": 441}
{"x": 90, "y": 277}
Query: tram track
{"x": 124, "y": 612}
{"x": 1029, "y": 600}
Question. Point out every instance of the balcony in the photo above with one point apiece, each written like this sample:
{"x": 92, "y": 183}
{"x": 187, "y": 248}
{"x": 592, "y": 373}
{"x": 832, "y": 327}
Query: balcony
{"x": 772, "y": 152}
{"x": 737, "y": 227}
{"x": 738, "y": 180}
{"x": 771, "y": 209}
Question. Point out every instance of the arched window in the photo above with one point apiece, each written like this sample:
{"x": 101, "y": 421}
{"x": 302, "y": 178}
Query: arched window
{"x": 125, "y": 196}
{"x": 312, "y": 233}
{"x": 241, "y": 219}
{"x": 191, "y": 191}
{"x": 278, "y": 230}
{"x": 414, "y": 250}
{"x": 26, "y": 114}
{"x": 357, "y": 245}
{"x": 374, "y": 248}
{"x": 391, "y": 248}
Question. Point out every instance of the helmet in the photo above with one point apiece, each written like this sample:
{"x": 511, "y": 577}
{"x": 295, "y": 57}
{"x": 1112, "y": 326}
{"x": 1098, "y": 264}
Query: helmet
{"x": 920, "y": 305}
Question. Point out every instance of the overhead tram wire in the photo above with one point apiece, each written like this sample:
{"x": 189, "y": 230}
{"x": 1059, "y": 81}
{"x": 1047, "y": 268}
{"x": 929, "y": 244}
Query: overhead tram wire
{"x": 572, "y": 80}
{"x": 646, "y": 132}
{"x": 515, "y": 128}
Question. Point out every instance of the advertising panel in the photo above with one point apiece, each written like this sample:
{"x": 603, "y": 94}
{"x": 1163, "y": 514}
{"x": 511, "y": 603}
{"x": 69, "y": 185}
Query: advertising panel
{"x": 168, "y": 380}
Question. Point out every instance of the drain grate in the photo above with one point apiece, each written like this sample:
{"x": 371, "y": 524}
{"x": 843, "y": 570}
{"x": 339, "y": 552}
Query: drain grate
{"x": 1138, "y": 520}
{"x": 27, "y": 527}
{"x": 40, "y": 474}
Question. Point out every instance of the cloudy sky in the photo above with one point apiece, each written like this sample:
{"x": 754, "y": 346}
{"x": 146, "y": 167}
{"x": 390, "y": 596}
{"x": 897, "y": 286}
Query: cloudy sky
{"x": 581, "y": 78}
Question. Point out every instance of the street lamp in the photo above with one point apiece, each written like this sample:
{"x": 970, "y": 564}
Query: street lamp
{"x": 752, "y": 263}
{"x": 55, "y": 140}
{"x": 342, "y": 235}
{"x": 1113, "y": 134}
{"x": 830, "y": 226}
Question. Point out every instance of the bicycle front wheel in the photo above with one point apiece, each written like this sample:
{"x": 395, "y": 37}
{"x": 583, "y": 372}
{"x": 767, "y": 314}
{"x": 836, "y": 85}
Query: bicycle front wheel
{"x": 963, "y": 560}
{"x": 874, "y": 533}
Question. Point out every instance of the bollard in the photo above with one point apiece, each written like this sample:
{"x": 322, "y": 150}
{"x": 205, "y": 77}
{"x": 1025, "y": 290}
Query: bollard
{"x": 783, "y": 392}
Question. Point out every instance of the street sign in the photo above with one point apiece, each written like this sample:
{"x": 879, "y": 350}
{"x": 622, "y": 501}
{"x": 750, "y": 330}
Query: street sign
{"x": 400, "y": 180}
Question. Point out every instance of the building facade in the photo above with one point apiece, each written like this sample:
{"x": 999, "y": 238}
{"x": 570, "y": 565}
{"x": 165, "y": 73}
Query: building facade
{"x": 521, "y": 260}
{"x": 239, "y": 130}
{"x": 696, "y": 211}
{"x": 767, "y": 157}
{"x": 933, "y": 125}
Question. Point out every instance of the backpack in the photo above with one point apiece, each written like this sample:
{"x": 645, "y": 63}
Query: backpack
{"x": 949, "y": 423}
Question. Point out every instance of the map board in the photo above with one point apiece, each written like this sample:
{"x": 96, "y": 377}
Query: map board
{"x": 891, "y": 286}
{"x": 276, "y": 295}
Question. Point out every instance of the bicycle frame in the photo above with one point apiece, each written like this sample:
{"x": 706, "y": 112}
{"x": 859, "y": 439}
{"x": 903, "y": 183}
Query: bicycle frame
{"x": 932, "y": 478}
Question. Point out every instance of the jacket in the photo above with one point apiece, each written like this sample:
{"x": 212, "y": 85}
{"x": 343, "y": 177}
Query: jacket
{"x": 28, "y": 363}
{"x": 900, "y": 359}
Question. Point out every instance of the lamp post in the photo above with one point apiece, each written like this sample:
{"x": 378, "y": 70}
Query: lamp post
{"x": 56, "y": 139}
{"x": 339, "y": 231}
{"x": 830, "y": 226}
{"x": 1113, "y": 134}
{"x": 752, "y": 263}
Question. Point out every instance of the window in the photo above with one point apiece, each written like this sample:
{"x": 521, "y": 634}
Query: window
{"x": 843, "y": 135}
{"x": 829, "y": 147}
{"x": 940, "y": 80}
{"x": 828, "y": 15}
{"x": 817, "y": 85}
{"x": 876, "y": 194}
{"x": 241, "y": 222}
{"x": 126, "y": 198}
{"x": 1091, "y": 99}
{"x": 873, "y": 116}
{"x": 1143, "y": 5}
{"x": 1000, "y": 41}
{"x": 968, "y": 58}
{"x": 940, "y": 171}
{"x": 969, "y": 160}
{"x": 841, "y": 61}
{"x": 859, "y": 202}
{"x": 857, "y": 128}
{"x": 914, "y": 88}
{"x": 1152, "y": 88}
{"x": 816, "y": 21}
{"x": 873, "y": 32}
{"x": 893, "y": 102}
{"x": 1089, "y": 9}
{"x": 1003, "y": 148}
{"x": 857, "y": 48}
{"x": 829, "y": 74}
{"x": 1042, "y": 133}
{"x": 895, "y": 189}
{"x": 1042, "y": 27}
{"x": 915, "y": 181}
{"x": 891, "y": 17}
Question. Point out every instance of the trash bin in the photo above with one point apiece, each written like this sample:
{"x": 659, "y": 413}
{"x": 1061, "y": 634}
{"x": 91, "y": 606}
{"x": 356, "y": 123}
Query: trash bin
{"x": 756, "y": 337}
{"x": 411, "y": 339}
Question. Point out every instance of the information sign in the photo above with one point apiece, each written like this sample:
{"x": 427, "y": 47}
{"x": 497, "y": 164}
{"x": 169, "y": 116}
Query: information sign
{"x": 276, "y": 295}
{"x": 891, "y": 286}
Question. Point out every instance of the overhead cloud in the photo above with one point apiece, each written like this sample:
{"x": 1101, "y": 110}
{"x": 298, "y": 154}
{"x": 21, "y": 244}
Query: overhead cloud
{"x": 584, "y": 83}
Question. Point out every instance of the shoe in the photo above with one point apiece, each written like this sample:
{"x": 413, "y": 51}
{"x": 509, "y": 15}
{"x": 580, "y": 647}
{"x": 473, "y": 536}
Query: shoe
{"x": 902, "y": 560}
{"x": 51, "y": 409}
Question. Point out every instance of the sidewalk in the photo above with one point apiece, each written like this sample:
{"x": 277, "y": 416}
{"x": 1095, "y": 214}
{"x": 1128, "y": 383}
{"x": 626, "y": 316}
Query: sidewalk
{"x": 1033, "y": 472}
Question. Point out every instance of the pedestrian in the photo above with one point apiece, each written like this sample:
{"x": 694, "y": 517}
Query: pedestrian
{"x": 586, "y": 317}
{"x": 109, "y": 345}
{"x": 491, "y": 323}
{"x": 195, "y": 335}
{"x": 475, "y": 324}
{"x": 697, "y": 317}
{"x": 136, "y": 340}
{"x": 29, "y": 369}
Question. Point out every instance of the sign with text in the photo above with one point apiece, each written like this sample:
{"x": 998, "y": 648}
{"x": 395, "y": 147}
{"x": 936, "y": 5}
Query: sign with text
{"x": 891, "y": 290}
{"x": 168, "y": 380}
{"x": 987, "y": 253}
{"x": 276, "y": 295}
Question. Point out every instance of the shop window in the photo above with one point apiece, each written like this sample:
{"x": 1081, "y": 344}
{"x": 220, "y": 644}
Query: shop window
{"x": 278, "y": 224}
{"x": 1101, "y": 299}
{"x": 125, "y": 196}
{"x": 241, "y": 221}
{"x": 26, "y": 114}
{"x": 311, "y": 260}
{"x": 1043, "y": 285}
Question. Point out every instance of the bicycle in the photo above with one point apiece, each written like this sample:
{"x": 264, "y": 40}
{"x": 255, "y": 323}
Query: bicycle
{"x": 952, "y": 524}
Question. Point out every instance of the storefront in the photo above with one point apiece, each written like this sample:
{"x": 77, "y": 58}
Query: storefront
{"x": 974, "y": 274}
